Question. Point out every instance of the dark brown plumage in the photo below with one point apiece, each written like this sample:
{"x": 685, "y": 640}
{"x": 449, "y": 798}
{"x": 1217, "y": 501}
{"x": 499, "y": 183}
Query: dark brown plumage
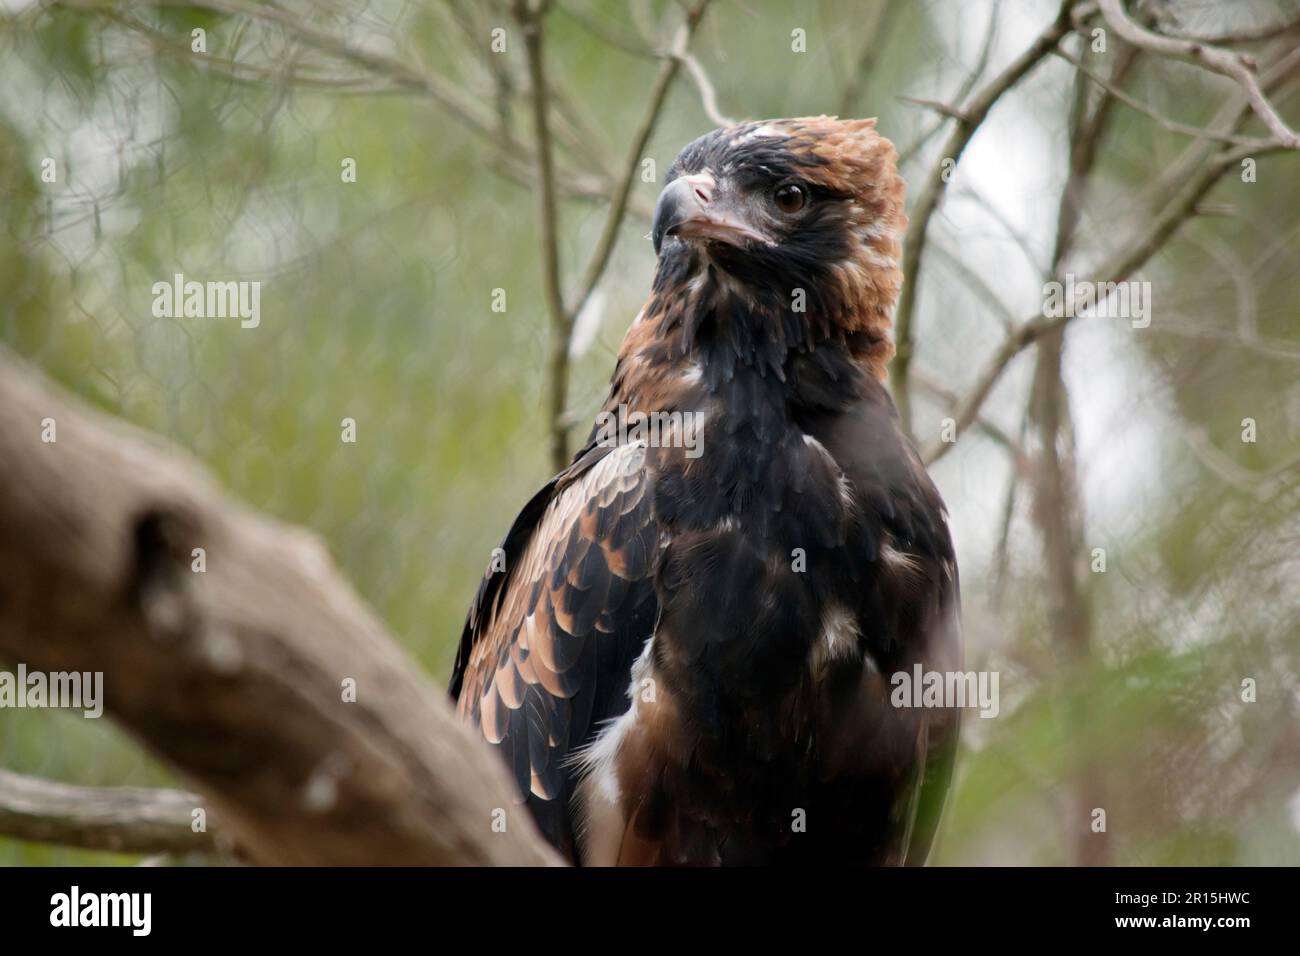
{"x": 687, "y": 656}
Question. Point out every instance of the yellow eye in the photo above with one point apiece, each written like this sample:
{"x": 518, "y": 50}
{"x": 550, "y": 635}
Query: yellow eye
{"x": 790, "y": 198}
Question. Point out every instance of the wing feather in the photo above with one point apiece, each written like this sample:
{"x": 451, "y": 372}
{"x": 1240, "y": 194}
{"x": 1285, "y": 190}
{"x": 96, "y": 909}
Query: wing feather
{"x": 547, "y": 649}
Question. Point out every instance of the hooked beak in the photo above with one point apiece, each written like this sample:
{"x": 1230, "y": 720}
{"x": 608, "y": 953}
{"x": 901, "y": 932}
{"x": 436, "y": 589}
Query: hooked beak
{"x": 686, "y": 209}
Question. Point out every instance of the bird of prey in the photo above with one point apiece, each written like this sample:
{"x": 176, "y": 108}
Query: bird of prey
{"x": 685, "y": 657}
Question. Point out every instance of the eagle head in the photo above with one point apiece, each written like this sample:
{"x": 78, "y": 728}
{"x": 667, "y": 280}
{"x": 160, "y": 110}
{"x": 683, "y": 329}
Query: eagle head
{"x": 794, "y": 218}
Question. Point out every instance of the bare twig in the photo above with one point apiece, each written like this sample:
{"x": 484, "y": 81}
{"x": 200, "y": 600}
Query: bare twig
{"x": 1176, "y": 207}
{"x": 390, "y": 76}
{"x": 1163, "y": 121}
{"x": 1032, "y": 255}
{"x": 1262, "y": 485}
{"x": 973, "y": 75}
{"x": 668, "y": 69}
{"x": 1244, "y": 279}
{"x": 973, "y": 114}
{"x": 944, "y": 109}
{"x": 708, "y": 95}
{"x": 1122, "y": 264}
{"x": 1236, "y": 37}
{"x": 927, "y": 382}
{"x": 607, "y": 33}
{"x": 1235, "y": 66}
{"x": 1002, "y": 553}
{"x": 978, "y": 284}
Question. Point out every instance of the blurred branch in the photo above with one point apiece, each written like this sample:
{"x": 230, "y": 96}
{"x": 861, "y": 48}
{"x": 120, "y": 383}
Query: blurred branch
{"x": 1002, "y": 553}
{"x": 1243, "y": 283}
{"x": 978, "y": 284}
{"x": 1262, "y": 485}
{"x": 1057, "y": 504}
{"x": 530, "y": 19}
{"x": 928, "y": 383}
{"x": 669, "y": 66}
{"x": 877, "y": 32}
{"x": 708, "y": 95}
{"x": 1022, "y": 242}
{"x": 1174, "y": 208}
{"x": 971, "y": 116}
{"x": 1236, "y": 66}
{"x": 615, "y": 37}
{"x": 117, "y": 819}
{"x": 1251, "y": 35}
{"x": 391, "y": 76}
{"x": 968, "y": 84}
{"x": 239, "y": 675}
{"x": 943, "y": 109}
{"x": 442, "y": 91}
{"x": 1164, "y": 122}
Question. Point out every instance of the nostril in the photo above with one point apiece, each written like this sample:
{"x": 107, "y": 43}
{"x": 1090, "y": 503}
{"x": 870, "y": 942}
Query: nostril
{"x": 702, "y": 188}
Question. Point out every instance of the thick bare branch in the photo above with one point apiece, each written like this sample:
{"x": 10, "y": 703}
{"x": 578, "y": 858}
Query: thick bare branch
{"x": 263, "y": 679}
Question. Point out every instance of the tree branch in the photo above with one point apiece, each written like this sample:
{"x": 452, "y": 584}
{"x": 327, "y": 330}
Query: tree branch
{"x": 1164, "y": 122}
{"x": 530, "y": 20}
{"x": 264, "y": 680}
{"x": 1119, "y": 267}
{"x": 1235, "y": 66}
{"x": 117, "y": 819}
{"x": 668, "y": 69}
{"x": 1175, "y": 208}
{"x": 671, "y": 63}
{"x": 967, "y": 84}
{"x": 972, "y": 115}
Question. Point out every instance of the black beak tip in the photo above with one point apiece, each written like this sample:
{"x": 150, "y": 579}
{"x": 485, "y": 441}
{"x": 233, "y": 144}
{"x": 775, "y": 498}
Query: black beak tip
{"x": 669, "y": 212}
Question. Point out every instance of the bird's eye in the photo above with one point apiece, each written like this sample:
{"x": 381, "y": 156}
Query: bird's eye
{"x": 790, "y": 198}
